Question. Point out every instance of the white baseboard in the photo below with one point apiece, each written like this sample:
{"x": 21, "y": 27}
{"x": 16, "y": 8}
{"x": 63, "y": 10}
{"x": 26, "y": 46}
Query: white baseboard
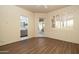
{"x": 24, "y": 38}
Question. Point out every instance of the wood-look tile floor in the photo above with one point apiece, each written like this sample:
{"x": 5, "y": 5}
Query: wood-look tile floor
{"x": 40, "y": 45}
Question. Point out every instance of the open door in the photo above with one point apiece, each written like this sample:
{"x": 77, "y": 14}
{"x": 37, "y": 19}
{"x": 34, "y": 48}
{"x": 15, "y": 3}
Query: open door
{"x": 41, "y": 26}
{"x": 23, "y": 27}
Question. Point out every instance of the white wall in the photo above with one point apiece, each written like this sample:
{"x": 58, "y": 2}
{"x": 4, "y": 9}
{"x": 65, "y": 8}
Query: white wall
{"x": 71, "y": 35}
{"x": 10, "y": 23}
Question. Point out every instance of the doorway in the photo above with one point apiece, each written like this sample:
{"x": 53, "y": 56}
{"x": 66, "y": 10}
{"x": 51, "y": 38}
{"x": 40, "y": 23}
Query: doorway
{"x": 23, "y": 27}
{"x": 41, "y": 26}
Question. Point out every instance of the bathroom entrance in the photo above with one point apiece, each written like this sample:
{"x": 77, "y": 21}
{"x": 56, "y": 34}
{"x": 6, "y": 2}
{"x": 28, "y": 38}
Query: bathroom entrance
{"x": 23, "y": 27}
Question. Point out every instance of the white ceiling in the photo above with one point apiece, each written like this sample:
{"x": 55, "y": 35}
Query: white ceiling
{"x": 41, "y": 8}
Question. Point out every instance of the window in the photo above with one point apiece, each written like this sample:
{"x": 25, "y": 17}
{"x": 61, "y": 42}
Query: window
{"x": 70, "y": 23}
{"x": 65, "y": 22}
{"x": 58, "y": 24}
{"x": 53, "y": 22}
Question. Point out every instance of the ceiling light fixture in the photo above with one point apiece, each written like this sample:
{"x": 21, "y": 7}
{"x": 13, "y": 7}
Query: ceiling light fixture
{"x": 45, "y": 6}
